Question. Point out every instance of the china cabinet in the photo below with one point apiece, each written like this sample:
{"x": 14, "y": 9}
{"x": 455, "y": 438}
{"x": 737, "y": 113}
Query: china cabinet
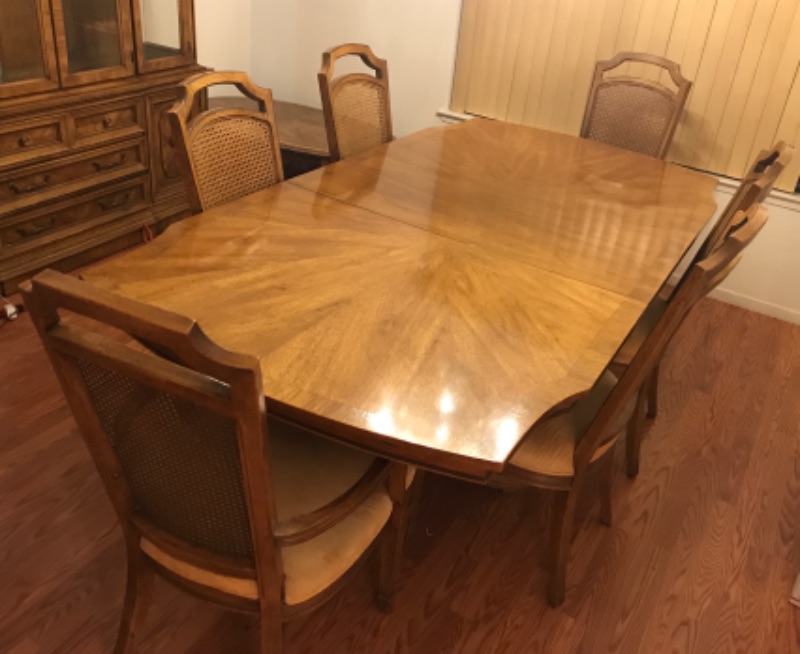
{"x": 87, "y": 163}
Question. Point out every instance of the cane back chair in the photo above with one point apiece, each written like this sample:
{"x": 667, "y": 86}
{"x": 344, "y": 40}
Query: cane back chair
{"x": 257, "y": 515}
{"x": 225, "y": 154}
{"x": 635, "y": 113}
{"x": 356, "y": 106}
{"x": 559, "y": 451}
{"x": 754, "y": 189}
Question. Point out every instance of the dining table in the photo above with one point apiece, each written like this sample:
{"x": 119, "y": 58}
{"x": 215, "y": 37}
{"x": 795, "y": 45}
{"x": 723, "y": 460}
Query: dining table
{"x": 431, "y": 299}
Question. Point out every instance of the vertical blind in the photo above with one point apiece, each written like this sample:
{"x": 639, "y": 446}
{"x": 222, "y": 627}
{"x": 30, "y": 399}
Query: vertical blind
{"x": 532, "y": 61}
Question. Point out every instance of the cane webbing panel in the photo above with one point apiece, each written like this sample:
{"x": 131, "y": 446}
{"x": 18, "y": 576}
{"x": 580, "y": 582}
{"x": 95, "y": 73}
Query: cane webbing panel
{"x": 631, "y": 116}
{"x": 360, "y": 116}
{"x": 181, "y": 461}
{"x": 233, "y": 156}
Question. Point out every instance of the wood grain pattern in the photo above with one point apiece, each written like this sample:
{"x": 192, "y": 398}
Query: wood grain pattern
{"x": 608, "y": 217}
{"x": 113, "y": 43}
{"x": 705, "y": 547}
{"x": 55, "y": 126}
{"x": 27, "y": 49}
{"x": 441, "y": 341}
{"x": 447, "y": 352}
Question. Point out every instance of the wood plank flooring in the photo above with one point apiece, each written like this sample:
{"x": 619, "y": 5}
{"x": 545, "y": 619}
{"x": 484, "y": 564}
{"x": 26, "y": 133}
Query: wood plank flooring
{"x": 703, "y": 554}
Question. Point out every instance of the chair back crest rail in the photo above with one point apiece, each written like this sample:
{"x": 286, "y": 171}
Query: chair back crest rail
{"x": 356, "y": 106}
{"x": 754, "y": 189}
{"x": 226, "y": 153}
{"x": 635, "y": 113}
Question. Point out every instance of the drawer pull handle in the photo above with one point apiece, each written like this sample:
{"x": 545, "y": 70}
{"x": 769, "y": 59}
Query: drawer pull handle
{"x": 108, "y": 121}
{"x": 31, "y": 229}
{"x": 24, "y": 141}
{"x": 32, "y": 188}
{"x": 108, "y": 165}
{"x": 115, "y": 202}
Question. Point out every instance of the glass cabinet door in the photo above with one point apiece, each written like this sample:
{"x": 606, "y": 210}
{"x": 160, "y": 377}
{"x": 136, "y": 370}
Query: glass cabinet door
{"x": 95, "y": 40}
{"x": 164, "y": 33}
{"x": 27, "y": 52}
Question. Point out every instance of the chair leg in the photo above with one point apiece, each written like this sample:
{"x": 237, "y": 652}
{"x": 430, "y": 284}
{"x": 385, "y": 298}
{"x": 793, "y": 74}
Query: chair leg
{"x": 393, "y": 537}
{"x": 633, "y": 436}
{"x": 606, "y": 475}
{"x": 560, "y": 536}
{"x": 270, "y": 628}
{"x": 652, "y": 394}
{"x": 138, "y": 593}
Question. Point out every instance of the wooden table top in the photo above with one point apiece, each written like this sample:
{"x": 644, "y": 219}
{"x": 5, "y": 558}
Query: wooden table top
{"x": 433, "y": 338}
{"x": 609, "y": 217}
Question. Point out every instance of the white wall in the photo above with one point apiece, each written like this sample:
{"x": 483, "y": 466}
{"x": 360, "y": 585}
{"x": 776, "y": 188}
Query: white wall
{"x": 224, "y": 36}
{"x": 417, "y": 37}
{"x": 767, "y": 279}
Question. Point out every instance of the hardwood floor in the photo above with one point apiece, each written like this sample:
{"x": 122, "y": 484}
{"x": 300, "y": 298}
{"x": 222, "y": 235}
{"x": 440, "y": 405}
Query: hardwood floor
{"x": 703, "y": 554}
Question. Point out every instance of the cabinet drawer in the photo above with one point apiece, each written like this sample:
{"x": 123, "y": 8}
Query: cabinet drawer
{"x": 34, "y": 185}
{"x": 109, "y": 121}
{"x": 26, "y": 140}
{"x": 81, "y": 213}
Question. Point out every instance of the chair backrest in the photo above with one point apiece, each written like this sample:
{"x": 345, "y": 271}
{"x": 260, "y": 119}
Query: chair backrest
{"x": 701, "y": 278}
{"x": 175, "y": 425}
{"x": 634, "y": 113}
{"x": 225, "y": 153}
{"x": 754, "y": 189}
{"x": 356, "y": 106}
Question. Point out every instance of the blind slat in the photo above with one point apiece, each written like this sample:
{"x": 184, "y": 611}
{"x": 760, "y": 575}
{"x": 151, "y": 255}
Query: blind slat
{"x": 512, "y": 44}
{"x": 789, "y": 130}
{"x": 739, "y": 90}
{"x": 583, "y": 69}
{"x": 745, "y": 145}
{"x": 558, "y": 48}
{"x": 531, "y": 62}
{"x": 466, "y": 51}
{"x": 536, "y": 27}
{"x": 732, "y": 59}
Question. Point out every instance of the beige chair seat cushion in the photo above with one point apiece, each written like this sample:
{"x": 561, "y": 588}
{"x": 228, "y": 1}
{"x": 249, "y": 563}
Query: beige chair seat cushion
{"x": 313, "y": 566}
{"x": 309, "y": 472}
{"x": 549, "y": 447}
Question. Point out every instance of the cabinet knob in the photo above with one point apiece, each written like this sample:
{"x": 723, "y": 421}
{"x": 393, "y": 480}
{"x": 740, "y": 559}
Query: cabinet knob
{"x": 108, "y": 122}
{"x": 33, "y": 228}
{"x": 100, "y": 166}
{"x": 115, "y": 202}
{"x": 20, "y": 189}
{"x": 24, "y": 141}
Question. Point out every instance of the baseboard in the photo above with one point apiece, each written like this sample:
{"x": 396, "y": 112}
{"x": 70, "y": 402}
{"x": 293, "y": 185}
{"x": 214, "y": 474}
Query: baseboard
{"x": 759, "y": 306}
{"x": 452, "y": 117}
